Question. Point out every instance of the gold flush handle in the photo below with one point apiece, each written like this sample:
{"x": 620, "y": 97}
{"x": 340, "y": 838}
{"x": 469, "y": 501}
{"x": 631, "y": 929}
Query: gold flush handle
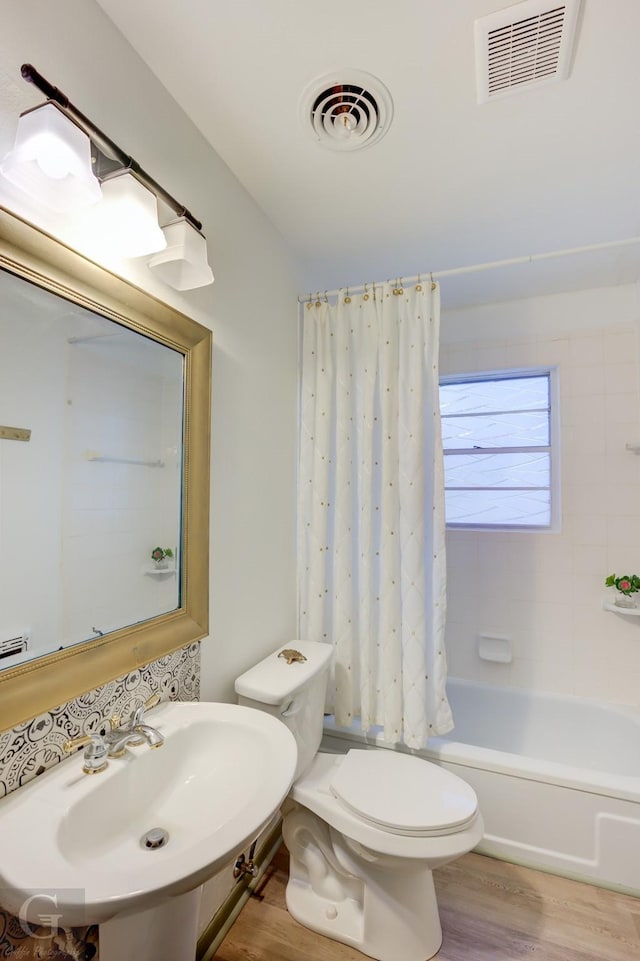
{"x": 292, "y": 655}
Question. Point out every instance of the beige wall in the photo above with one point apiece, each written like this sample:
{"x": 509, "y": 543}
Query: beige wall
{"x": 544, "y": 591}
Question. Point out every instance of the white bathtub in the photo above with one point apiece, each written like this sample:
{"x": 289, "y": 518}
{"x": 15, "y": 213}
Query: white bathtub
{"x": 557, "y": 779}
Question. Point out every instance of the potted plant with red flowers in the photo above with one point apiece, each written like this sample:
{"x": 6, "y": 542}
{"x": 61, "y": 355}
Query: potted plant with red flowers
{"x": 626, "y": 585}
{"x": 160, "y": 555}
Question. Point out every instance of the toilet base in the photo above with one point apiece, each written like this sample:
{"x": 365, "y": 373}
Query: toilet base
{"x": 384, "y": 907}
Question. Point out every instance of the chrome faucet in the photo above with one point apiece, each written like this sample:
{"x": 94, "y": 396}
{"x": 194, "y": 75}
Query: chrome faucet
{"x": 135, "y": 731}
{"x": 138, "y": 715}
{"x": 151, "y": 736}
{"x": 98, "y": 747}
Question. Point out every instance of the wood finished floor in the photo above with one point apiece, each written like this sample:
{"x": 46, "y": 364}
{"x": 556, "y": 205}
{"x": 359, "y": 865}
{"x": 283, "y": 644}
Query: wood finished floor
{"x": 490, "y": 911}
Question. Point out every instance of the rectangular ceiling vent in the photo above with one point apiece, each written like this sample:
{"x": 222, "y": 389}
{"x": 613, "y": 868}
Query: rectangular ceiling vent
{"x": 528, "y": 44}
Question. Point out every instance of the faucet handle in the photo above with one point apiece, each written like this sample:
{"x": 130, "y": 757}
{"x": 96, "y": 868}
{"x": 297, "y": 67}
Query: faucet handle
{"x": 95, "y": 751}
{"x": 139, "y": 713}
{"x": 70, "y": 746}
{"x": 152, "y": 701}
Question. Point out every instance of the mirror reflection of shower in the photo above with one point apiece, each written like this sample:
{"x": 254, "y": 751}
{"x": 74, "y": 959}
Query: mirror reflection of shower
{"x": 98, "y": 484}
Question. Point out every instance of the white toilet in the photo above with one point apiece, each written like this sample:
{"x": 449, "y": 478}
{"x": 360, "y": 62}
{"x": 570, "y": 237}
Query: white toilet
{"x": 364, "y": 829}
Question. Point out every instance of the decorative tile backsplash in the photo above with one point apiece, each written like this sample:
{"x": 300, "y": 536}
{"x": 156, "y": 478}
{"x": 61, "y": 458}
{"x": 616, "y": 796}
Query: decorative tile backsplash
{"x": 30, "y": 748}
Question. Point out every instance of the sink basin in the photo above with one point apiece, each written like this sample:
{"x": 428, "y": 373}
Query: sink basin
{"x": 221, "y": 774}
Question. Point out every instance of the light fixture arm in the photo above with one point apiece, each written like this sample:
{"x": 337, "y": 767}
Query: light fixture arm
{"x": 104, "y": 144}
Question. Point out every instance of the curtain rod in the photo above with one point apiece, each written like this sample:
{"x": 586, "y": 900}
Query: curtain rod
{"x": 477, "y": 268}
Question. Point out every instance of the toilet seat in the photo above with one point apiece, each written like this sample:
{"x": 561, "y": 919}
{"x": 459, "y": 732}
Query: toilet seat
{"x": 403, "y": 794}
{"x": 315, "y": 791}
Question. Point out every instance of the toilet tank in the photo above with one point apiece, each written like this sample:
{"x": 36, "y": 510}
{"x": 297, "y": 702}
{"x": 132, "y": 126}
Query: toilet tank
{"x": 294, "y": 692}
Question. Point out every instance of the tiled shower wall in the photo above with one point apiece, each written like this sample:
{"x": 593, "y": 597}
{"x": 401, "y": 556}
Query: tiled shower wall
{"x": 111, "y": 458}
{"x": 544, "y": 591}
{"x": 119, "y": 507}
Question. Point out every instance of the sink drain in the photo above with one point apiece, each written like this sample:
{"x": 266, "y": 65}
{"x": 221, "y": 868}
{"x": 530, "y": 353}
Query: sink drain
{"x": 155, "y": 838}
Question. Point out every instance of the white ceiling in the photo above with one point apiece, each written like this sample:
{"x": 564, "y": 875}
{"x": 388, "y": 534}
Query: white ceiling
{"x": 453, "y": 182}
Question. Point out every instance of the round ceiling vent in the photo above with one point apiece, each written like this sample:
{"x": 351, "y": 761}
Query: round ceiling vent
{"x": 347, "y": 110}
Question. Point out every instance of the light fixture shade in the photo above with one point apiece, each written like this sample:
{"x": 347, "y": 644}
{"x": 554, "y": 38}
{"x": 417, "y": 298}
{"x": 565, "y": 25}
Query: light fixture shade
{"x": 51, "y": 161}
{"x": 127, "y": 219}
{"x": 183, "y": 264}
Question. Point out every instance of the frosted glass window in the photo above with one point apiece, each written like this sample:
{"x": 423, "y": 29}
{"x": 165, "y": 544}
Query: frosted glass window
{"x": 497, "y": 445}
{"x": 487, "y": 471}
{"x": 499, "y": 508}
{"x": 521, "y": 428}
{"x": 499, "y": 395}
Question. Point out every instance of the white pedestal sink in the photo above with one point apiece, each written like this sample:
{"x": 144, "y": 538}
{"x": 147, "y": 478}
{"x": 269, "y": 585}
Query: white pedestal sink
{"x": 221, "y": 774}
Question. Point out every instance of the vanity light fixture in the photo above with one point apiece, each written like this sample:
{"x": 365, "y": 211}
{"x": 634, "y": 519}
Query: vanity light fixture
{"x": 90, "y": 167}
{"x": 183, "y": 263}
{"x": 127, "y": 219}
{"x": 51, "y": 160}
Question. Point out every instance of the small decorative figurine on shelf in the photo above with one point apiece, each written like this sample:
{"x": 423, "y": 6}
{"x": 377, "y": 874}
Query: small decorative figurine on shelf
{"x": 160, "y": 556}
{"x": 626, "y": 584}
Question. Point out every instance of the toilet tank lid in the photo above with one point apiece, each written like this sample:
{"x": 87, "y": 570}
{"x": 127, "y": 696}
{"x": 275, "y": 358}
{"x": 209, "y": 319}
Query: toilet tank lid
{"x": 273, "y": 679}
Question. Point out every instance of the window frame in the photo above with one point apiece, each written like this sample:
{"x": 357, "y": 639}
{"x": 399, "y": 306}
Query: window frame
{"x": 514, "y": 373}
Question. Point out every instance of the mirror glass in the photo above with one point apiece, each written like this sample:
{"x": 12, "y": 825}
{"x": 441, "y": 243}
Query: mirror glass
{"x": 91, "y": 428}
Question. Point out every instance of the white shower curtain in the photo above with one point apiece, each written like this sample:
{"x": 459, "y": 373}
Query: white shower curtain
{"x": 371, "y": 551}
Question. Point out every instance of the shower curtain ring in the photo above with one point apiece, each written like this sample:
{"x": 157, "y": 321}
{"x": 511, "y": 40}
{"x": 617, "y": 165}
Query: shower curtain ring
{"x": 433, "y": 283}
{"x": 318, "y": 301}
{"x": 419, "y": 284}
{"x": 365, "y": 296}
{"x": 347, "y": 299}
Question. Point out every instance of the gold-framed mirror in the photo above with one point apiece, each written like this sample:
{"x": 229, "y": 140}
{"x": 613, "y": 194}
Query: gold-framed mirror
{"x": 77, "y": 664}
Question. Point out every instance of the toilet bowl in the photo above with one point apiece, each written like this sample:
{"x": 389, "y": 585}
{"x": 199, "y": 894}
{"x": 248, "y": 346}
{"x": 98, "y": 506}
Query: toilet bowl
{"x": 364, "y": 829}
